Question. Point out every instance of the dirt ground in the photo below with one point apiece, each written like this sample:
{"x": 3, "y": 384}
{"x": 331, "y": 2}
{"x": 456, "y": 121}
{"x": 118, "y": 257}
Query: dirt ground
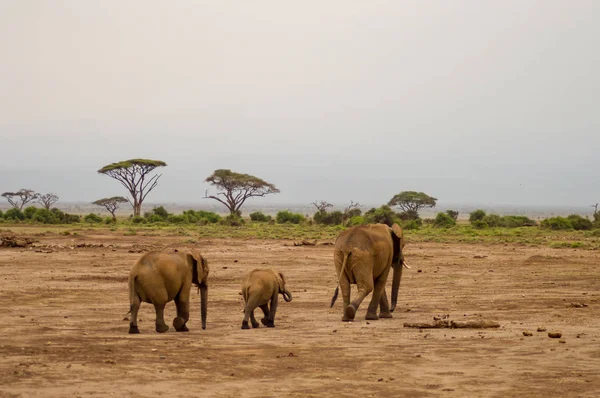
{"x": 63, "y": 305}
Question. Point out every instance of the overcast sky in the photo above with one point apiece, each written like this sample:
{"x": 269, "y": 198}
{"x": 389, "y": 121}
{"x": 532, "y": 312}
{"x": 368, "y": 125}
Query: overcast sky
{"x": 491, "y": 102}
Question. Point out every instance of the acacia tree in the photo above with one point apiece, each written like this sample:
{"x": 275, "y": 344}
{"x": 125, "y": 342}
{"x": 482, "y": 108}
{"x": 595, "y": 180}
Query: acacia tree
{"x": 47, "y": 200}
{"x": 111, "y": 204}
{"x": 20, "y": 198}
{"x": 134, "y": 174}
{"x": 321, "y": 205}
{"x": 411, "y": 201}
{"x": 235, "y": 188}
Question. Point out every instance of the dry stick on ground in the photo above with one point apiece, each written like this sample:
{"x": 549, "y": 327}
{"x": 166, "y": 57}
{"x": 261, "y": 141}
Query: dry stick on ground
{"x": 474, "y": 324}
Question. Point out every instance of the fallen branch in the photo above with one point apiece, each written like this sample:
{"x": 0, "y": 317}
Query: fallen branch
{"x": 448, "y": 324}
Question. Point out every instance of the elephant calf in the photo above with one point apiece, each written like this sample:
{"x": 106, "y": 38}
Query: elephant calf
{"x": 158, "y": 278}
{"x": 258, "y": 288}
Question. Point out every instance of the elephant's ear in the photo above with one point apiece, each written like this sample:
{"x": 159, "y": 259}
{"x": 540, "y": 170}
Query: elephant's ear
{"x": 199, "y": 267}
{"x": 281, "y": 281}
{"x": 398, "y": 238}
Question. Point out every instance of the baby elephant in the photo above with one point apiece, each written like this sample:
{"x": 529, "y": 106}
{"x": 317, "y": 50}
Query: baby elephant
{"x": 258, "y": 288}
{"x": 158, "y": 278}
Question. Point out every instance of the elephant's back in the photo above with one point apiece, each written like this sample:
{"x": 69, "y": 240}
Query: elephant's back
{"x": 363, "y": 237}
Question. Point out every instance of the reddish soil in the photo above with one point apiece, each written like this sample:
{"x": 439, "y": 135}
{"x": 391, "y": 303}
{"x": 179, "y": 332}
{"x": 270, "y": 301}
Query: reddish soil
{"x": 64, "y": 331}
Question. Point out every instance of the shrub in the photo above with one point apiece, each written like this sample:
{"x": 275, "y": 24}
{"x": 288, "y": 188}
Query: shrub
{"x": 453, "y": 214}
{"x": 65, "y": 218}
{"x": 476, "y": 215}
{"x": 202, "y": 217}
{"x": 92, "y": 218}
{"x": 580, "y": 223}
{"x": 413, "y": 224}
{"x": 557, "y": 223}
{"x": 329, "y": 218}
{"x": 479, "y": 224}
{"x": 138, "y": 220}
{"x": 352, "y": 213}
{"x": 408, "y": 215}
{"x": 289, "y": 217}
{"x": 233, "y": 220}
{"x": 161, "y": 212}
{"x": 14, "y": 214}
{"x": 109, "y": 220}
{"x": 29, "y": 212}
{"x": 493, "y": 220}
{"x": 1, "y": 214}
{"x": 44, "y": 216}
{"x": 356, "y": 220}
{"x": 259, "y": 216}
{"x": 153, "y": 218}
{"x": 443, "y": 220}
{"x": 177, "y": 219}
{"x": 517, "y": 221}
{"x": 383, "y": 215}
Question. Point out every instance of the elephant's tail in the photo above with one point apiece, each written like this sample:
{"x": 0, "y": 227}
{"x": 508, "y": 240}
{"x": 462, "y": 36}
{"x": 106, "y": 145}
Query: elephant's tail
{"x": 337, "y": 288}
{"x": 132, "y": 292}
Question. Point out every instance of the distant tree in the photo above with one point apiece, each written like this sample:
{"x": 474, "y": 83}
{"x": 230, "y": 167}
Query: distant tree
{"x": 236, "y": 188}
{"x": 134, "y": 175}
{"x": 20, "y": 198}
{"x": 352, "y": 210}
{"x": 47, "y": 200}
{"x": 321, "y": 205}
{"x": 476, "y": 215}
{"x": 111, "y": 204}
{"x": 411, "y": 200}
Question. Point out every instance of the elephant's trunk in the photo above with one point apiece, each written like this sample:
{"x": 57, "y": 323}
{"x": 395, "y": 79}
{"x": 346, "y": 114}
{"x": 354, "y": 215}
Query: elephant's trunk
{"x": 287, "y": 296}
{"x": 203, "y": 303}
{"x": 396, "y": 284}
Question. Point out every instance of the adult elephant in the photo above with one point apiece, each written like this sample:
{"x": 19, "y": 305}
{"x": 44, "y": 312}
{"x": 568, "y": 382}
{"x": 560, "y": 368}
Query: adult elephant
{"x": 363, "y": 255}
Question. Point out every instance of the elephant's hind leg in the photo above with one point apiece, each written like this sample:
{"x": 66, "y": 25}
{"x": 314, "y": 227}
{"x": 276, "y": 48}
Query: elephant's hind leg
{"x": 365, "y": 286}
{"x": 384, "y": 306}
{"x": 272, "y": 310}
{"x": 253, "y": 320}
{"x": 135, "y": 306}
{"x": 265, "y": 310}
{"x": 161, "y": 326}
{"x": 183, "y": 314}
{"x": 378, "y": 292}
{"x": 248, "y": 313}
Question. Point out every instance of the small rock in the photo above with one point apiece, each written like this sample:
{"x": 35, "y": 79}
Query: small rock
{"x": 126, "y": 318}
{"x": 541, "y": 329}
{"x": 337, "y": 379}
{"x": 224, "y": 267}
{"x": 527, "y": 334}
{"x": 562, "y": 341}
{"x": 334, "y": 330}
{"x": 154, "y": 349}
{"x": 380, "y": 379}
{"x": 554, "y": 335}
{"x": 235, "y": 261}
{"x": 68, "y": 366}
{"x": 368, "y": 323}
{"x": 419, "y": 270}
{"x": 418, "y": 355}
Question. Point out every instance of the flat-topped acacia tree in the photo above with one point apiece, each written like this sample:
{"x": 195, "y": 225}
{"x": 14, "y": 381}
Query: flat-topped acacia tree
{"x": 111, "y": 204}
{"x": 235, "y": 188}
{"x": 134, "y": 174}
{"x": 20, "y": 198}
{"x": 411, "y": 201}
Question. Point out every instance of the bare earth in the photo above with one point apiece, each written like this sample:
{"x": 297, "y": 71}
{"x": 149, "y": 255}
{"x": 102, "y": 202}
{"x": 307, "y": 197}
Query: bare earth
{"x": 63, "y": 331}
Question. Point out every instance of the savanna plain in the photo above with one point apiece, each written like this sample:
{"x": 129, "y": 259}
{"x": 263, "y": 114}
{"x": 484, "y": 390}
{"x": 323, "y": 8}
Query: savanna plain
{"x": 64, "y": 303}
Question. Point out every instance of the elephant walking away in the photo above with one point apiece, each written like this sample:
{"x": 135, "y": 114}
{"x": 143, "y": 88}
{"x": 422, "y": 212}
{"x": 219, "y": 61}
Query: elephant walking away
{"x": 363, "y": 255}
{"x": 259, "y": 288}
{"x": 158, "y": 278}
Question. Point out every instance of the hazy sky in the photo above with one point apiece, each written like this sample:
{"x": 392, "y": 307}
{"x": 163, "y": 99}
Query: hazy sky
{"x": 492, "y": 102}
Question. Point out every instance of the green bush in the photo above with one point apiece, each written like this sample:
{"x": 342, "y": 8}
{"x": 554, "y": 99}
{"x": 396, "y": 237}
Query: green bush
{"x": 109, "y": 220}
{"x": 138, "y": 220}
{"x": 92, "y": 218}
{"x": 517, "y": 221}
{"x": 476, "y": 215}
{"x": 202, "y": 217}
{"x": 352, "y": 213}
{"x": 44, "y": 216}
{"x": 153, "y": 218}
{"x": 408, "y": 215}
{"x": 479, "y": 224}
{"x": 557, "y": 223}
{"x": 177, "y": 219}
{"x": 288, "y": 217}
{"x": 14, "y": 214}
{"x": 580, "y": 223}
{"x": 356, "y": 220}
{"x": 29, "y": 212}
{"x": 232, "y": 220}
{"x": 1, "y": 214}
{"x": 493, "y": 220}
{"x": 443, "y": 220}
{"x": 259, "y": 216}
{"x": 413, "y": 224}
{"x": 383, "y": 215}
{"x": 161, "y": 212}
{"x": 329, "y": 218}
{"x": 65, "y": 218}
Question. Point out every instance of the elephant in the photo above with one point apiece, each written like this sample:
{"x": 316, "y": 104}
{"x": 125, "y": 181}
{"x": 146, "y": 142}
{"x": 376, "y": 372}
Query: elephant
{"x": 363, "y": 255}
{"x": 159, "y": 277}
{"x": 258, "y": 288}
